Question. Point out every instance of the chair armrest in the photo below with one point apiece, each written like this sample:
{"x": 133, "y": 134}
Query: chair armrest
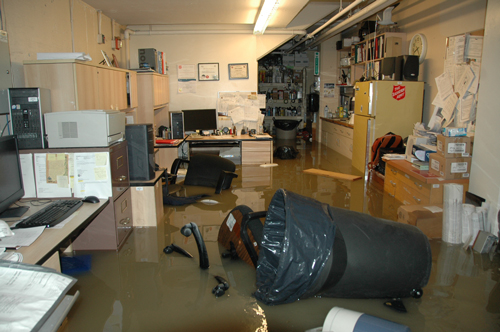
{"x": 175, "y": 167}
{"x": 245, "y": 237}
{"x": 224, "y": 181}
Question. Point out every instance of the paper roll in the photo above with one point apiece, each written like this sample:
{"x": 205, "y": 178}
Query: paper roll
{"x": 468, "y": 210}
{"x": 452, "y": 213}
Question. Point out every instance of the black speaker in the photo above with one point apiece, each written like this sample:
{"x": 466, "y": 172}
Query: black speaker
{"x": 148, "y": 58}
{"x": 141, "y": 159}
{"x": 387, "y": 69}
{"x": 312, "y": 102}
{"x": 406, "y": 68}
{"x": 177, "y": 125}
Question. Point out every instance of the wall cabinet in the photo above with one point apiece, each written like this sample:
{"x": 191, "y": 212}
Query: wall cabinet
{"x": 153, "y": 96}
{"x": 337, "y": 136}
{"x": 76, "y": 85}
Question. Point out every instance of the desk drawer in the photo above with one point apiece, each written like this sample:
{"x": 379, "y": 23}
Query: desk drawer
{"x": 390, "y": 183}
{"x": 417, "y": 185}
{"x": 409, "y": 196}
{"x": 120, "y": 180}
{"x": 123, "y": 216}
{"x": 256, "y": 152}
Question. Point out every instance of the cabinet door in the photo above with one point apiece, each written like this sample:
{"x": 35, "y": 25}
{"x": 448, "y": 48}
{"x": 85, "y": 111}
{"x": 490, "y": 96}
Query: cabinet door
{"x": 86, "y": 87}
{"x": 119, "y": 85}
{"x": 132, "y": 89}
{"x": 105, "y": 100}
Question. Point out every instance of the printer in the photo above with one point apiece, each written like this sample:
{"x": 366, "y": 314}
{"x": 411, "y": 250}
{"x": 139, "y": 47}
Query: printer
{"x": 89, "y": 128}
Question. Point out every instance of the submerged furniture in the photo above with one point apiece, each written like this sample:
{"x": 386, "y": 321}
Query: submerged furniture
{"x": 308, "y": 248}
{"x": 207, "y": 171}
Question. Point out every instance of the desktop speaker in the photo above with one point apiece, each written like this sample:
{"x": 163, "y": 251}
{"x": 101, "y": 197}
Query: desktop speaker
{"x": 177, "y": 125}
{"x": 406, "y": 68}
{"x": 140, "y": 138}
{"x": 387, "y": 68}
{"x": 148, "y": 58}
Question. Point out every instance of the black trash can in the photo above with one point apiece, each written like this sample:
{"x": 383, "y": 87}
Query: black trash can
{"x": 286, "y": 129}
{"x": 312, "y": 249}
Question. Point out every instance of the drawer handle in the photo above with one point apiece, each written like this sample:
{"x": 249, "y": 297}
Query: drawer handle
{"x": 417, "y": 199}
{"x": 392, "y": 182}
{"x": 393, "y": 171}
{"x": 392, "y": 195}
{"x": 124, "y": 221}
{"x": 122, "y": 178}
{"x": 418, "y": 185}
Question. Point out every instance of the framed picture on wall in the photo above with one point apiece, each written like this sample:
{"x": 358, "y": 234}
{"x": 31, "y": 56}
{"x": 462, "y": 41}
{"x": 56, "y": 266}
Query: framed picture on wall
{"x": 238, "y": 71}
{"x": 208, "y": 72}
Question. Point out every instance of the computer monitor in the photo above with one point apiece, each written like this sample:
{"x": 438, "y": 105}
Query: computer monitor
{"x": 11, "y": 179}
{"x": 202, "y": 119}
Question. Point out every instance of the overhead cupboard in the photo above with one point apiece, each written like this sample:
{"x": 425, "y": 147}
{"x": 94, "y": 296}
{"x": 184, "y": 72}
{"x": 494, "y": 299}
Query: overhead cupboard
{"x": 78, "y": 85}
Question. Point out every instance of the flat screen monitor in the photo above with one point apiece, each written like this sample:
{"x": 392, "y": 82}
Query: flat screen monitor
{"x": 203, "y": 119}
{"x": 11, "y": 179}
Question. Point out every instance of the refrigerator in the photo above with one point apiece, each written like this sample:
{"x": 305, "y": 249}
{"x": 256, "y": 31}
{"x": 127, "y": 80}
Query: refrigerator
{"x": 381, "y": 107}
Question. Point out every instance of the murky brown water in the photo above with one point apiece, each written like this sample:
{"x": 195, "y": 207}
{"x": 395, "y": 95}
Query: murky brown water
{"x": 140, "y": 288}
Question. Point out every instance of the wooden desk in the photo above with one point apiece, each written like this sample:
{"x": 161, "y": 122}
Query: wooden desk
{"x": 47, "y": 246}
{"x": 253, "y": 151}
{"x": 165, "y": 154}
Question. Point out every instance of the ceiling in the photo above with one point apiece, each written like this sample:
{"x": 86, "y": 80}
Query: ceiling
{"x": 292, "y": 14}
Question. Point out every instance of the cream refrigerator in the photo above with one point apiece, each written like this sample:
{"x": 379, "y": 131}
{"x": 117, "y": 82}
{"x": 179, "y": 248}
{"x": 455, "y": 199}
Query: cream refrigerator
{"x": 381, "y": 107}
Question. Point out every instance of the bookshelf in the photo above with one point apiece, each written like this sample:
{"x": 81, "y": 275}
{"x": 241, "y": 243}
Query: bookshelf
{"x": 366, "y": 55}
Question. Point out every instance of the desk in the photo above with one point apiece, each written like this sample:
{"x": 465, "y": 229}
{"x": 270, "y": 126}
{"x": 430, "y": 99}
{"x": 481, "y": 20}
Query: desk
{"x": 53, "y": 239}
{"x": 252, "y": 151}
{"x": 165, "y": 154}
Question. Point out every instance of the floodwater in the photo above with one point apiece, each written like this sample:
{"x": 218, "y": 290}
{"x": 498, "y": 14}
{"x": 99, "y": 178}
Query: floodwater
{"x": 140, "y": 288}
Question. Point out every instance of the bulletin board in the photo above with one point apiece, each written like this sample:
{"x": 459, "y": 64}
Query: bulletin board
{"x": 458, "y": 85}
{"x": 243, "y": 107}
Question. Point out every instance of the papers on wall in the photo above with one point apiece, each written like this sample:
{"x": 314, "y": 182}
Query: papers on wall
{"x": 459, "y": 83}
{"x": 46, "y": 189}
{"x": 186, "y": 79}
{"x": 242, "y": 107}
{"x": 28, "y": 174}
{"x": 49, "y": 175}
{"x": 32, "y": 289}
{"x": 92, "y": 175}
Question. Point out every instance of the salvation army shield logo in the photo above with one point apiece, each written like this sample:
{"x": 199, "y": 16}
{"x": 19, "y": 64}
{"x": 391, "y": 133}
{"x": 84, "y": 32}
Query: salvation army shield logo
{"x": 399, "y": 92}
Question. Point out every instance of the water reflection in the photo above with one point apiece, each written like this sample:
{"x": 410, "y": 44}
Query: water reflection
{"x": 140, "y": 288}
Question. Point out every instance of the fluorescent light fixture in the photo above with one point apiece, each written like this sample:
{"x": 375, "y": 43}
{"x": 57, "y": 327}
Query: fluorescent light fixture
{"x": 266, "y": 12}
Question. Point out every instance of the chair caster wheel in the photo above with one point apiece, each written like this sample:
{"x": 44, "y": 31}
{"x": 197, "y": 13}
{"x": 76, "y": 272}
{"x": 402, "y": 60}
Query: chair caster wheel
{"x": 417, "y": 293}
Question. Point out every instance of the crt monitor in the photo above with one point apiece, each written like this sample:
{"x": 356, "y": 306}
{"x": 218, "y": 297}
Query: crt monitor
{"x": 202, "y": 119}
{"x": 11, "y": 179}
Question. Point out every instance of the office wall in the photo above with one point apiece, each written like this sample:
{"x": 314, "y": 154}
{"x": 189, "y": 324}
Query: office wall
{"x": 192, "y": 49}
{"x": 36, "y": 26}
{"x": 437, "y": 19}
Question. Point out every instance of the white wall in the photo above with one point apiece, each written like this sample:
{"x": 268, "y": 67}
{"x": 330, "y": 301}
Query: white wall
{"x": 485, "y": 172}
{"x": 437, "y": 19}
{"x": 192, "y": 49}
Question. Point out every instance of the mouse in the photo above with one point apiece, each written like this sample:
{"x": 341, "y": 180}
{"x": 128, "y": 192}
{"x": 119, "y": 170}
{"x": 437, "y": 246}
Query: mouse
{"x": 91, "y": 199}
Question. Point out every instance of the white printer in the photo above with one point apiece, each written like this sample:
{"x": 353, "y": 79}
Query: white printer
{"x": 90, "y": 128}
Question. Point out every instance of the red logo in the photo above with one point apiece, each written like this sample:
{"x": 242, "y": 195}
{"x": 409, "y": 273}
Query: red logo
{"x": 399, "y": 92}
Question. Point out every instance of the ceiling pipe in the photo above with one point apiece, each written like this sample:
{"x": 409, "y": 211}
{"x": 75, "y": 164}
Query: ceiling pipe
{"x": 217, "y": 32}
{"x": 367, "y": 11}
{"x": 341, "y": 13}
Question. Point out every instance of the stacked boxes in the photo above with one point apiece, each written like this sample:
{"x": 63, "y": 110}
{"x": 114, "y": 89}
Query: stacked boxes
{"x": 452, "y": 159}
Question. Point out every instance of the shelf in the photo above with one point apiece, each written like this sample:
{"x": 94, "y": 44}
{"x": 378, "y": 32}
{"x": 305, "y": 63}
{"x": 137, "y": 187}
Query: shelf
{"x": 277, "y": 84}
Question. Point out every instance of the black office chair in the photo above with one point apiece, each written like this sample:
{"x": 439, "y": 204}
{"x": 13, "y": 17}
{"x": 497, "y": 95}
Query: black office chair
{"x": 205, "y": 170}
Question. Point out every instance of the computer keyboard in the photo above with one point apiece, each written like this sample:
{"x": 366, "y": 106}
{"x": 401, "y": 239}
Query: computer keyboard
{"x": 51, "y": 215}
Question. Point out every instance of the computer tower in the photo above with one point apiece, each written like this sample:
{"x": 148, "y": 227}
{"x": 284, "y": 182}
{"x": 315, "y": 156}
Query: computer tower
{"x": 406, "y": 68}
{"x": 148, "y": 58}
{"x": 140, "y": 138}
{"x": 177, "y": 125}
{"x": 26, "y": 109}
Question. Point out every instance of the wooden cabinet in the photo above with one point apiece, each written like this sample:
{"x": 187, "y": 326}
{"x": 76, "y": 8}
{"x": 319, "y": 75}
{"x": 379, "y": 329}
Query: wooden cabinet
{"x": 337, "y": 136}
{"x": 77, "y": 85}
{"x": 411, "y": 186}
{"x": 256, "y": 152}
{"x": 153, "y": 98}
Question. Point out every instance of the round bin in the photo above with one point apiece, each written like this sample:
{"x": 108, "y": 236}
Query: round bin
{"x": 286, "y": 129}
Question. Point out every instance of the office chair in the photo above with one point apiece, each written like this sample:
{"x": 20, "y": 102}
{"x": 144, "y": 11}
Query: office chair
{"x": 205, "y": 170}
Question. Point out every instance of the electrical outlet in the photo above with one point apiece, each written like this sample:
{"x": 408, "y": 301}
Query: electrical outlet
{"x": 101, "y": 39}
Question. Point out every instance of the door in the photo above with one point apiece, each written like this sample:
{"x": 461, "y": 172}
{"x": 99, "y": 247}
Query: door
{"x": 362, "y": 97}
{"x": 359, "y": 142}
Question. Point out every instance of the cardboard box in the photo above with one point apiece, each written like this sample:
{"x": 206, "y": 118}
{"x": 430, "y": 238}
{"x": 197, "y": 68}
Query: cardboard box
{"x": 449, "y": 168}
{"x": 429, "y": 219}
{"x": 450, "y": 147}
{"x": 393, "y": 46}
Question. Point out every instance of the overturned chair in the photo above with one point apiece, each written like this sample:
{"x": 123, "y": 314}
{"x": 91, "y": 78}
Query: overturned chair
{"x": 305, "y": 248}
{"x": 205, "y": 170}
